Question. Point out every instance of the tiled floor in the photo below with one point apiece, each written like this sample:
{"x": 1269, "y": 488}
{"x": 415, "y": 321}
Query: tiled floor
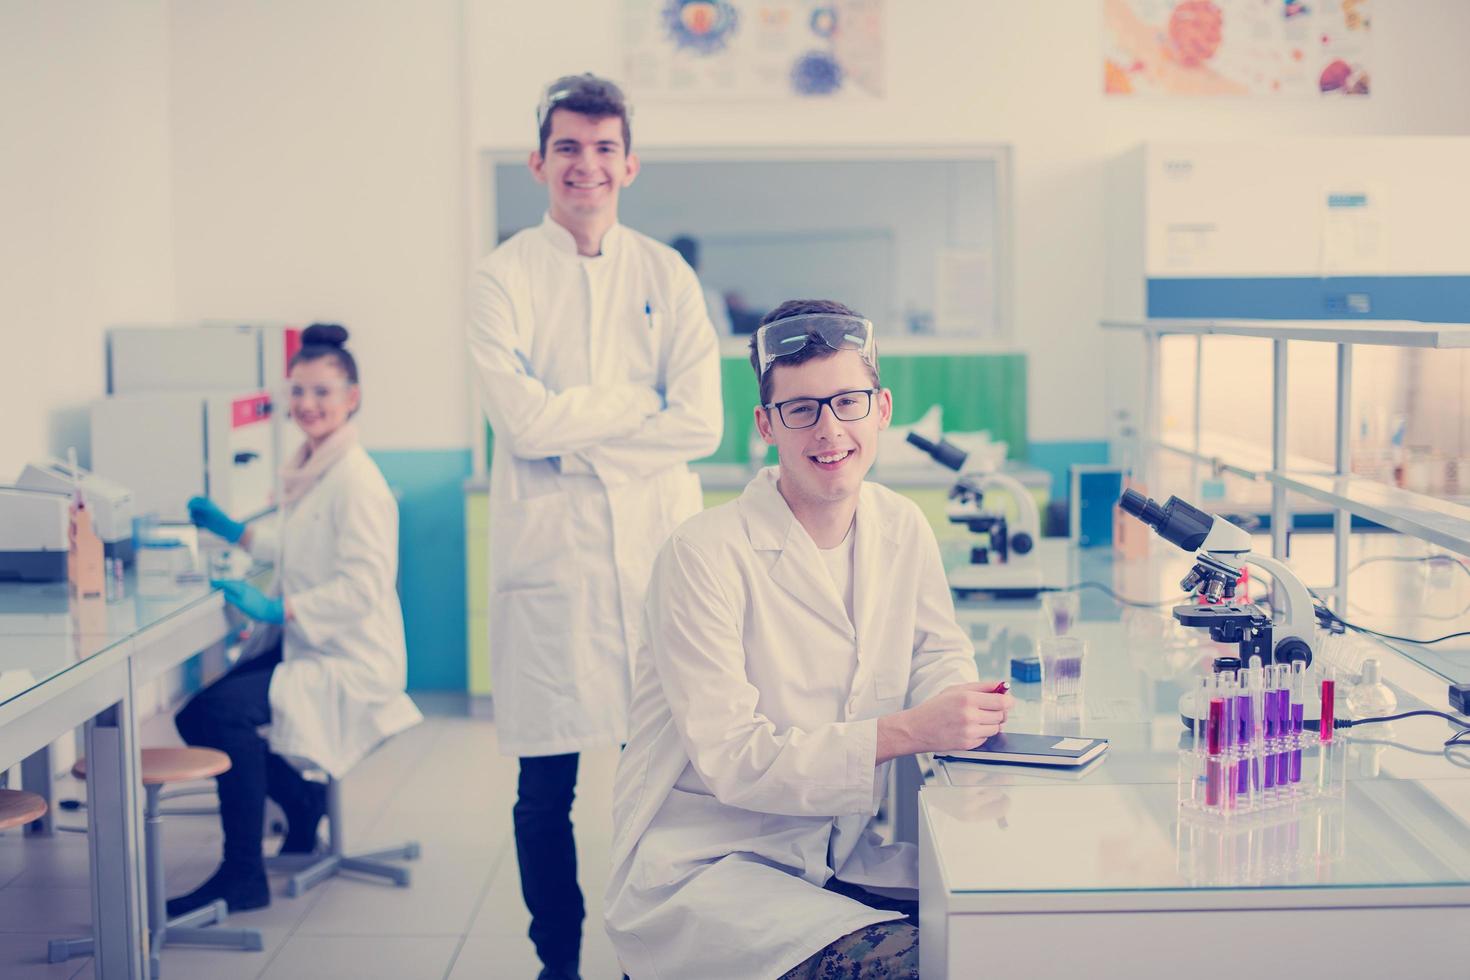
{"x": 443, "y": 783}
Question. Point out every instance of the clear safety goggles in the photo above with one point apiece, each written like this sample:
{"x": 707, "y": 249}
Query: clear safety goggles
{"x": 562, "y": 90}
{"x": 321, "y": 392}
{"x": 837, "y": 330}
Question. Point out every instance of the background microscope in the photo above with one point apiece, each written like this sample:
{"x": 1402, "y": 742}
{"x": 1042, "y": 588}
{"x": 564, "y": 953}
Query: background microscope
{"x": 1006, "y": 562}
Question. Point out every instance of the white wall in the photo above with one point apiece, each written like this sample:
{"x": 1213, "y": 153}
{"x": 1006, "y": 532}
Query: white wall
{"x": 296, "y": 161}
{"x": 317, "y": 175}
{"x": 85, "y": 237}
{"x": 983, "y": 71}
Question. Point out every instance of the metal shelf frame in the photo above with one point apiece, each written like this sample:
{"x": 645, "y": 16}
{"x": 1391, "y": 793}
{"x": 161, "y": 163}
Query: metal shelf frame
{"x": 1444, "y": 523}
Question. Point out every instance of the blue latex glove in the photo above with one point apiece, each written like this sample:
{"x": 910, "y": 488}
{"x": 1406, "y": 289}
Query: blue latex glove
{"x": 204, "y": 513}
{"x": 251, "y": 601}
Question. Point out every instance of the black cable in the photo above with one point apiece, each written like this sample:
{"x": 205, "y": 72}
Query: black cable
{"x": 1324, "y": 611}
{"x": 1350, "y": 722}
{"x": 1115, "y": 596}
{"x": 1455, "y": 739}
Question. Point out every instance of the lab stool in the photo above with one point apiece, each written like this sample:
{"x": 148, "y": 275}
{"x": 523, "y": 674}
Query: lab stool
{"x": 18, "y": 808}
{"x": 313, "y": 869}
{"x": 201, "y": 926}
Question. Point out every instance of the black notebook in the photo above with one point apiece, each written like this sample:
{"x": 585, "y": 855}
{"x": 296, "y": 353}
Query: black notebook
{"x": 1017, "y": 749}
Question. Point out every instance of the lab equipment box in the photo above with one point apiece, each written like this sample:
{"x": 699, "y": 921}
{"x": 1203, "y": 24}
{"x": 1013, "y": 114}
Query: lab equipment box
{"x": 110, "y": 502}
{"x": 212, "y": 355}
{"x": 170, "y": 446}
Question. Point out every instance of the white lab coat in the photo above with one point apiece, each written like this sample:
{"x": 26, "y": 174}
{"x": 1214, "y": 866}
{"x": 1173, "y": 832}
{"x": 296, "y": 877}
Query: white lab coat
{"x": 600, "y": 377}
{"x": 754, "y": 735}
{"x": 339, "y": 689}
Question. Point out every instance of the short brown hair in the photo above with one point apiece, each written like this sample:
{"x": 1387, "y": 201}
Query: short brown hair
{"x": 812, "y": 351}
{"x": 596, "y": 98}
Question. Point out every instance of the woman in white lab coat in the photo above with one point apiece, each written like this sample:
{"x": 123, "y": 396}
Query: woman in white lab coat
{"x": 325, "y": 666}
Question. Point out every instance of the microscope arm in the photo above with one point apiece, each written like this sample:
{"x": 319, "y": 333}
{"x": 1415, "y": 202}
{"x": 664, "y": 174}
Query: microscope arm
{"x": 1028, "y": 518}
{"x": 1298, "y": 619}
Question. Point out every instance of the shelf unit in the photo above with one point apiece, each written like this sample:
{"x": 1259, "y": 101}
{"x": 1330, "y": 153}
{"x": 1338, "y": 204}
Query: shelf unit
{"x": 1445, "y": 523}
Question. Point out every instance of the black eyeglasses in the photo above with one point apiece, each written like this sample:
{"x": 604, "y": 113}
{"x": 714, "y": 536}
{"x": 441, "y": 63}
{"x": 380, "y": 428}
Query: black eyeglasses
{"x": 846, "y": 406}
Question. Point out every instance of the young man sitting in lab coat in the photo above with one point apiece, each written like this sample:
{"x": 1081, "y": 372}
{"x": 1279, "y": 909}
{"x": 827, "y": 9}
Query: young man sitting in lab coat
{"x": 797, "y": 640}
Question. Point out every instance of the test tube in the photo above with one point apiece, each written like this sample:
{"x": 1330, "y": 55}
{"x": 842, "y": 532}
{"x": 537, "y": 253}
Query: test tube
{"x": 1201, "y": 712}
{"x": 1214, "y": 768}
{"x": 1329, "y": 691}
{"x": 1192, "y": 761}
{"x": 1258, "y": 719}
{"x": 1245, "y": 726}
{"x": 1298, "y": 718}
{"x": 1273, "y": 730}
{"x": 1283, "y": 742}
{"x": 1225, "y": 688}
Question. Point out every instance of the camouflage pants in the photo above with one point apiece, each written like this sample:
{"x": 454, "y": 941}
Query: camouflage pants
{"x": 887, "y": 950}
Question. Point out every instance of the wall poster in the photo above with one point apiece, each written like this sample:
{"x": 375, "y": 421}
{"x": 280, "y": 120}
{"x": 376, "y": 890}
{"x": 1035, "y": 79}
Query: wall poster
{"x": 1236, "y": 47}
{"x": 762, "y": 49}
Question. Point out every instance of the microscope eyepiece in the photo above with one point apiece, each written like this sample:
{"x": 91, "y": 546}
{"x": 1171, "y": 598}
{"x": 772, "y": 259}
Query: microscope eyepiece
{"x": 1142, "y": 507}
{"x": 943, "y": 452}
{"x": 1176, "y": 521}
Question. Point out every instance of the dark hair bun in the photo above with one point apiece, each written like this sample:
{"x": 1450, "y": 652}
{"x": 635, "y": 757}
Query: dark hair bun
{"x": 324, "y": 335}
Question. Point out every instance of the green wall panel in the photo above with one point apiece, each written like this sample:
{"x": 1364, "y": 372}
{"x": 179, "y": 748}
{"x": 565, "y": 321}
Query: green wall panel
{"x": 978, "y": 391}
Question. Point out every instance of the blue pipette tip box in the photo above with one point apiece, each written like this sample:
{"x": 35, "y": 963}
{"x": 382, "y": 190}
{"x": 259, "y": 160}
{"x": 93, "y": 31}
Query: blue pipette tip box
{"x": 1026, "y": 669}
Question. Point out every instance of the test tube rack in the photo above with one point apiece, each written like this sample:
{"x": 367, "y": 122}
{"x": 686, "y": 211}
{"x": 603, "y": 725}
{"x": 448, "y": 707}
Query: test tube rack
{"x": 1250, "y": 751}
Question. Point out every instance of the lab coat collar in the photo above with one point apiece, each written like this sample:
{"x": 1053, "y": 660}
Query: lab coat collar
{"x": 563, "y": 241}
{"x": 772, "y": 526}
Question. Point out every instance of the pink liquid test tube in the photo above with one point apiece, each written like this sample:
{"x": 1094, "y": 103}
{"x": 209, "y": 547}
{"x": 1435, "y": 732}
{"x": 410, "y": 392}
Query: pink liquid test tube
{"x": 1214, "y": 769}
{"x": 1329, "y": 691}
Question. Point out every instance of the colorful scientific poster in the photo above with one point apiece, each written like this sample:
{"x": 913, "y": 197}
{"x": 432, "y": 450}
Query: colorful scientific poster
{"x": 1236, "y": 47}
{"x": 767, "y": 49}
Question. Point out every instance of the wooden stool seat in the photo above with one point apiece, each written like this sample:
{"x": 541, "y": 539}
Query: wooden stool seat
{"x": 17, "y": 807}
{"x": 172, "y": 765}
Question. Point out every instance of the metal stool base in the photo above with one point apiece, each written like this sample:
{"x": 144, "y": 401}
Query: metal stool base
{"x": 197, "y": 928}
{"x": 313, "y": 869}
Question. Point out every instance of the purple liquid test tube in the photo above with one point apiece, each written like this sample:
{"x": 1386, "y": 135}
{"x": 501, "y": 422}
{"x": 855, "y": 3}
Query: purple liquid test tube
{"x": 1283, "y": 757}
{"x": 1243, "y": 739}
{"x": 1268, "y": 762}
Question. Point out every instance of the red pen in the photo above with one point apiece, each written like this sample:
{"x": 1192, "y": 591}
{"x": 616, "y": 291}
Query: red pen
{"x": 1001, "y": 688}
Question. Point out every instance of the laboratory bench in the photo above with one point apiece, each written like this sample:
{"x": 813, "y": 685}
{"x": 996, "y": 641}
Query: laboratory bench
{"x": 67, "y": 663}
{"x": 1100, "y": 871}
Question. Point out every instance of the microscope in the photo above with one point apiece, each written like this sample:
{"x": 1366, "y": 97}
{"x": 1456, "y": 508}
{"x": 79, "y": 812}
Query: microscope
{"x": 1007, "y": 564}
{"x": 1220, "y": 549}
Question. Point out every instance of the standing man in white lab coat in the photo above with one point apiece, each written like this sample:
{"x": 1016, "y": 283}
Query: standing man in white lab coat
{"x": 599, "y": 371}
{"x": 799, "y": 638}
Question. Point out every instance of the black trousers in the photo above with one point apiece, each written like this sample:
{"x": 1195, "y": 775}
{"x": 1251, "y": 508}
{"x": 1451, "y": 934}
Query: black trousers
{"x": 225, "y": 716}
{"x": 547, "y": 856}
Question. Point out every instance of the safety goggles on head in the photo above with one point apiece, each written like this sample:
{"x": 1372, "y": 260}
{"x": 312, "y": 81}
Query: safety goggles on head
{"x": 838, "y": 331}
{"x": 567, "y": 87}
{"x": 549, "y": 101}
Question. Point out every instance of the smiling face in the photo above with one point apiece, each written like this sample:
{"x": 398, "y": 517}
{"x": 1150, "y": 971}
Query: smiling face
{"x": 585, "y": 165}
{"x": 322, "y": 399}
{"x": 825, "y": 463}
